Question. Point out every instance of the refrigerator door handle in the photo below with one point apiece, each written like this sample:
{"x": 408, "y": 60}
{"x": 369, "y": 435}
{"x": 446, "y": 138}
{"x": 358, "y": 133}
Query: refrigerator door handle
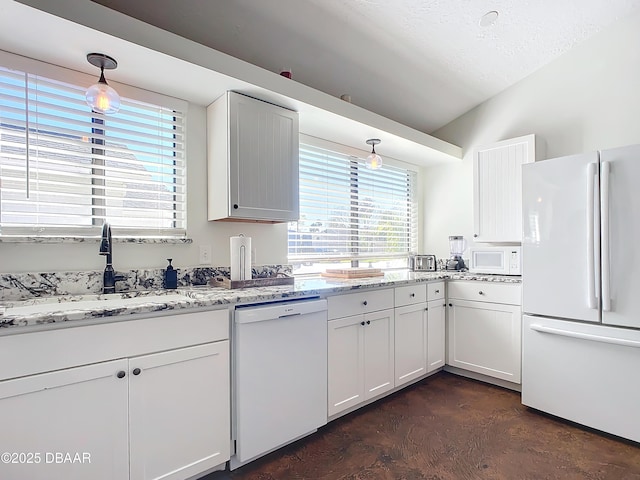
{"x": 604, "y": 234}
{"x": 592, "y": 301}
{"x": 585, "y": 336}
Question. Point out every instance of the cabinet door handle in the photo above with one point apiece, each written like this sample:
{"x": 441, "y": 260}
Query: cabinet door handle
{"x": 121, "y": 374}
{"x": 475, "y": 235}
{"x": 136, "y": 371}
{"x": 437, "y": 291}
{"x": 426, "y": 308}
{"x": 368, "y": 322}
{"x": 364, "y": 303}
{"x": 412, "y": 295}
{"x": 480, "y": 292}
{"x": 451, "y": 304}
{"x": 235, "y": 205}
{"x": 362, "y": 323}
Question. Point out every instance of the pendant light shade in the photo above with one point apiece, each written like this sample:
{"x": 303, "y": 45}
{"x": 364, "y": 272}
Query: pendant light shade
{"x": 100, "y": 96}
{"x": 374, "y": 161}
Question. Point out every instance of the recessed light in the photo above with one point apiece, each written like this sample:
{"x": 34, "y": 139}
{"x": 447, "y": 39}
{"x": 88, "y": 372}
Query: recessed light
{"x": 488, "y": 18}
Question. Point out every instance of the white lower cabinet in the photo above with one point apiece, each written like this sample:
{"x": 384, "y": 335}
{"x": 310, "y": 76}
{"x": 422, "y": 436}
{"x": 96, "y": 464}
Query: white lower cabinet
{"x": 378, "y": 353}
{"x": 360, "y": 352}
{"x": 163, "y": 415}
{"x": 485, "y": 336}
{"x": 80, "y": 411}
{"x": 436, "y": 330}
{"x": 411, "y": 340}
{"x": 419, "y": 331}
{"x": 177, "y": 411}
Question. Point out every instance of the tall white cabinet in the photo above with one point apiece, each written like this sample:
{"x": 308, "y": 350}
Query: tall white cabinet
{"x": 497, "y": 187}
{"x": 252, "y": 149}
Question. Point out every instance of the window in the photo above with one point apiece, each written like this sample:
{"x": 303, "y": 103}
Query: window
{"x": 350, "y": 214}
{"x": 65, "y": 170}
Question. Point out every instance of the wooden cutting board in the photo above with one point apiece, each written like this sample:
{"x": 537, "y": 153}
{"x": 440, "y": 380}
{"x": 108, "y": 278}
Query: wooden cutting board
{"x": 356, "y": 272}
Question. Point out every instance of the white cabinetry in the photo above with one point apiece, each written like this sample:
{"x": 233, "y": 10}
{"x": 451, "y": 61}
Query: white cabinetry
{"x": 484, "y": 328}
{"x": 179, "y": 412}
{"x": 360, "y": 348}
{"x": 419, "y": 330}
{"x": 148, "y": 416}
{"x": 252, "y": 160}
{"x": 497, "y": 188}
{"x": 436, "y": 326}
{"x": 410, "y": 332}
{"x": 80, "y": 410}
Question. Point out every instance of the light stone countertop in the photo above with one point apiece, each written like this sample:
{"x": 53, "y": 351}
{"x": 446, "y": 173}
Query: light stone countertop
{"x": 45, "y": 312}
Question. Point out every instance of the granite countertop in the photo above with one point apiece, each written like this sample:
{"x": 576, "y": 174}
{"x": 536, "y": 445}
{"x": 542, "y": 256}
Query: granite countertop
{"x": 48, "y": 311}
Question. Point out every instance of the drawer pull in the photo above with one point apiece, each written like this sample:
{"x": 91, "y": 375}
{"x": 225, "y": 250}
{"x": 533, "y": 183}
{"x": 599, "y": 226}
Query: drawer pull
{"x": 480, "y": 292}
{"x": 451, "y": 304}
{"x": 437, "y": 291}
{"x": 412, "y": 295}
{"x": 368, "y": 322}
{"x": 364, "y": 303}
{"x": 362, "y": 323}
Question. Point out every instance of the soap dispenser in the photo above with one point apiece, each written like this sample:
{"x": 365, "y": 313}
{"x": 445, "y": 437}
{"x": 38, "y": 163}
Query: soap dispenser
{"x": 170, "y": 276}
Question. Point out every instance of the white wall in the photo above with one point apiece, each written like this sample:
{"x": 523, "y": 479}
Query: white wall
{"x": 587, "y": 99}
{"x": 269, "y": 241}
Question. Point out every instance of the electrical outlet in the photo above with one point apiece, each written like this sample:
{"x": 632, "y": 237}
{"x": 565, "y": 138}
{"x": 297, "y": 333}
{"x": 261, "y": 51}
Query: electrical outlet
{"x": 205, "y": 254}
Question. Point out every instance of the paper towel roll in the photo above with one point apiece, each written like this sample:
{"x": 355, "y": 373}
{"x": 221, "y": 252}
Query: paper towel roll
{"x": 240, "y": 257}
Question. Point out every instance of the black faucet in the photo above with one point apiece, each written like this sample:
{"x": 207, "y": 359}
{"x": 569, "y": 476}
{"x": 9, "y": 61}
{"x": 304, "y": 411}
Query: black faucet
{"x": 109, "y": 278}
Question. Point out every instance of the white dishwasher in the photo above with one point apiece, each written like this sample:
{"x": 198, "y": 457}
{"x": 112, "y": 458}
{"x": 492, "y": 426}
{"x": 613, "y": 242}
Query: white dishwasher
{"x": 280, "y": 375}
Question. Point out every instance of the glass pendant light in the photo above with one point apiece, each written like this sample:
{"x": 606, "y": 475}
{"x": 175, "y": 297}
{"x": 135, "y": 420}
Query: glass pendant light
{"x": 100, "y": 96}
{"x": 374, "y": 161}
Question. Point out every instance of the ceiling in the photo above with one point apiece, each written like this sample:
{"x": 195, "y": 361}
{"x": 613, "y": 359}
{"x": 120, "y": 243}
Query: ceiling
{"x": 421, "y": 63}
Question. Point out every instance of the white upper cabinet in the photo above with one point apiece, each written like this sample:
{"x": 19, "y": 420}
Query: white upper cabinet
{"x": 497, "y": 188}
{"x": 252, "y": 149}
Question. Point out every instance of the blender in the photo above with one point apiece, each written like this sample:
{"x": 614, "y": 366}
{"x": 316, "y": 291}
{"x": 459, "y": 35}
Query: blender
{"x": 457, "y": 246}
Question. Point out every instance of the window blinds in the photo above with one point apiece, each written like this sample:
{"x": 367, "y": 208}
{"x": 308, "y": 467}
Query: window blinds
{"x": 350, "y": 212}
{"x": 65, "y": 170}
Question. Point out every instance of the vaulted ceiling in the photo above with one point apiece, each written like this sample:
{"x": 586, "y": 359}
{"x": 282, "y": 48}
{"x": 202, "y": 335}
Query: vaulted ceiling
{"x": 419, "y": 62}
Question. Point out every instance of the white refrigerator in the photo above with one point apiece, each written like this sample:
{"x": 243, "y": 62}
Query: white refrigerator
{"x": 581, "y": 289}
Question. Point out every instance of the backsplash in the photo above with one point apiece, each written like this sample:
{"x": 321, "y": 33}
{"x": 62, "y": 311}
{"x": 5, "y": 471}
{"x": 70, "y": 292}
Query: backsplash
{"x": 23, "y": 286}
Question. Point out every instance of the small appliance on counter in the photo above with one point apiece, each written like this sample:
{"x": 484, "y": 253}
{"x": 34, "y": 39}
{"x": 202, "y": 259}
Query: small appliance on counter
{"x": 494, "y": 259}
{"x": 422, "y": 263}
{"x": 457, "y": 246}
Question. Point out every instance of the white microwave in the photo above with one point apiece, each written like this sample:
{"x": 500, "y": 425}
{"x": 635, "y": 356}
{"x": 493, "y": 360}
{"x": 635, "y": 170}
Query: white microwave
{"x": 503, "y": 260}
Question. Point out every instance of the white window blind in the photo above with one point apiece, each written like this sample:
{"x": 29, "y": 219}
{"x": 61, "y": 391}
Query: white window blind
{"x": 65, "y": 170}
{"x": 349, "y": 212}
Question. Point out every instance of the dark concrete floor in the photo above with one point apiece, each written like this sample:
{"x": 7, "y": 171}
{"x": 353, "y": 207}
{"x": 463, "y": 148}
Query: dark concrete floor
{"x": 448, "y": 427}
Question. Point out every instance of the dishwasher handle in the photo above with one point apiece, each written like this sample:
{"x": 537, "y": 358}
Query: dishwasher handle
{"x": 272, "y": 311}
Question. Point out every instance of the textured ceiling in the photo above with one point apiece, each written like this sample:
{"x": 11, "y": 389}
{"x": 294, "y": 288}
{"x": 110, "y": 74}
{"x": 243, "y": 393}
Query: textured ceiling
{"x": 419, "y": 62}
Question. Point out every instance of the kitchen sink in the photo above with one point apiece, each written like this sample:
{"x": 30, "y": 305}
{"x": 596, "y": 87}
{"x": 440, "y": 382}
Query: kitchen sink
{"x": 99, "y": 302}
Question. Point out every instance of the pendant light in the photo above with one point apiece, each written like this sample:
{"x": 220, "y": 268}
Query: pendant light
{"x": 374, "y": 161}
{"x": 100, "y": 96}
